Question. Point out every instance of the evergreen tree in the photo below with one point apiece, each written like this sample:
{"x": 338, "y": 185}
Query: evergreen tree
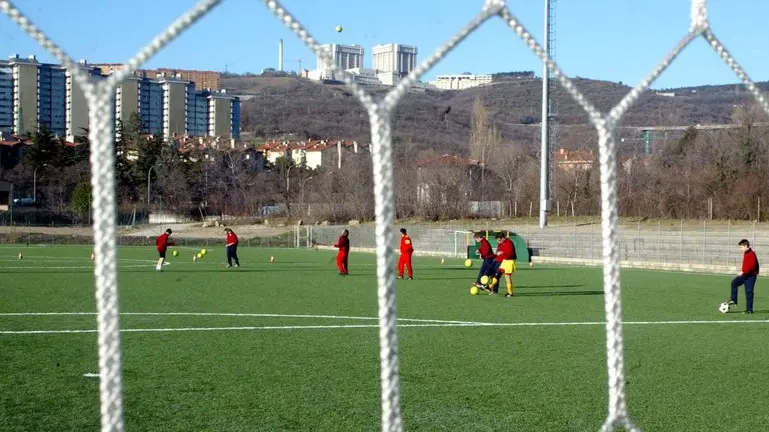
{"x": 44, "y": 149}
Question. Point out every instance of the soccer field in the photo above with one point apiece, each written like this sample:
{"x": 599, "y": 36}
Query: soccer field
{"x": 292, "y": 346}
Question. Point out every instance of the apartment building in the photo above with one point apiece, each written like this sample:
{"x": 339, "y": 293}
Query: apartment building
{"x": 33, "y": 94}
{"x": 204, "y": 80}
{"x": 170, "y": 106}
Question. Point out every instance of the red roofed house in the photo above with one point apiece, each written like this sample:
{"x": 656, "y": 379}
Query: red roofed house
{"x": 313, "y": 153}
{"x": 575, "y": 159}
{"x": 11, "y": 149}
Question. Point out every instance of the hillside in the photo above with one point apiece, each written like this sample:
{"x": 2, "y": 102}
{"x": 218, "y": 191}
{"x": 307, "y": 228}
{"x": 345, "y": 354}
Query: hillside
{"x": 441, "y": 119}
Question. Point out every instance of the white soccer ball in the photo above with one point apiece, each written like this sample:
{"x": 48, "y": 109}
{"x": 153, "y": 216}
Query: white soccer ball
{"x": 724, "y": 308}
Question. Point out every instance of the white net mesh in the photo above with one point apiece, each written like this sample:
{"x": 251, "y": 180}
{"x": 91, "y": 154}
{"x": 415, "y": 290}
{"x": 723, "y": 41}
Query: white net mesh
{"x": 101, "y": 136}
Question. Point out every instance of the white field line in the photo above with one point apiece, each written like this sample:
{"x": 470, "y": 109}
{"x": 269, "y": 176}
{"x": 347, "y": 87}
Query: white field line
{"x": 237, "y": 315}
{"x": 374, "y": 326}
{"x": 71, "y": 267}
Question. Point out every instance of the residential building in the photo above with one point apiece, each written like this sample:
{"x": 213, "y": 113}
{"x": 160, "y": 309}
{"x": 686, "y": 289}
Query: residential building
{"x": 204, "y": 80}
{"x": 34, "y": 94}
{"x": 395, "y": 59}
{"x": 570, "y": 160}
{"x": 77, "y": 111}
{"x": 143, "y": 97}
{"x": 6, "y": 98}
{"x": 178, "y": 101}
{"x": 198, "y": 110}
{"x": 223, "y": 115}
{"x": 42, "y": 94}
{"x": 171, "y": 107}
{"x": 313, "y": 153}
{"x": 25, "y": 94}
{"x": 461, "y": 82}
{"x": 52, "y": 98}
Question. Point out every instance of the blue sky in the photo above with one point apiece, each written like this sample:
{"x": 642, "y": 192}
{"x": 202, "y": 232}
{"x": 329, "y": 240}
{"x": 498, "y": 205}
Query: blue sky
{"x": 618, "y": 40}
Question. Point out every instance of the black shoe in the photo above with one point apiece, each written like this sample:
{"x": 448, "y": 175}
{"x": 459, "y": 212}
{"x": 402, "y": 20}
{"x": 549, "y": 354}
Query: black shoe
{"x": 748, "y": 312}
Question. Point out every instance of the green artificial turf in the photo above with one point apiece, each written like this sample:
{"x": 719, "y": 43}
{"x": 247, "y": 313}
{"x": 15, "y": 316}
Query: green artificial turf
{"x": 252, "y": 372}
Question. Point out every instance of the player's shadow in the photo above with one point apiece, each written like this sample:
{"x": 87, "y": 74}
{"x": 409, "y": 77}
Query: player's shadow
{"x": 558, "y": 293}
{"x": 740, "y": 311}
{"x": 442, "y": 278}
{"x": 536, "y": 293}
{"x": 549, "y": 286}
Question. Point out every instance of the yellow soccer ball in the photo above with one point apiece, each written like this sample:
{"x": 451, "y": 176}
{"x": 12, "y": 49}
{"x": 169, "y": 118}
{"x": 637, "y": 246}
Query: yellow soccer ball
{"x": 484, "y": 280}
{"x": 474, "y": 290}
{"x": 200, "y": 255}
{"x": 468, "y": 262}
{"x": 175, "y": 253}
{"x": 203, "y": 251}
{"x": 338, "y": 29}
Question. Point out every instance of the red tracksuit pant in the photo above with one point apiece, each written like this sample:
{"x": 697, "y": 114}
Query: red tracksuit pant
{"x": 405, "y": 261}
{"x": 341, "y": 262}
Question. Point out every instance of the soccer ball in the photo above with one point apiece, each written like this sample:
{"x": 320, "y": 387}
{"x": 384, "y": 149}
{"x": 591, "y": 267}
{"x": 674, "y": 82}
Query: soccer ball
{"x": 468, "y": 263}
{"x": 176, "y": 253}
{"x": 484, "y": 280}
{"x": 724, "y": 308}
{"x": 200, "y": 255}
{"x": 339, "y": 29}
{"x": 474, "y": 290}
{"x": 203, "y": 251}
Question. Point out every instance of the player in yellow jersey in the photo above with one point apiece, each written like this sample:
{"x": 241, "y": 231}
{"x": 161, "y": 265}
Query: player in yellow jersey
{"x": 505, "y": 253}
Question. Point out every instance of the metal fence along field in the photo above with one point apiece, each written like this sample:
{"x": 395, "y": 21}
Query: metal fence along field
{"x": 613, "y": 240}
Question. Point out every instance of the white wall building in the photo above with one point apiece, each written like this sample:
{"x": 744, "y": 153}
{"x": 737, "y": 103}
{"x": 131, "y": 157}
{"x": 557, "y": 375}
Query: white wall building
{"x": 344, "y": 56}
{"x": 364, "y": 76}
{"x": 395, "y": 58}
{"x": 461, "y": 82}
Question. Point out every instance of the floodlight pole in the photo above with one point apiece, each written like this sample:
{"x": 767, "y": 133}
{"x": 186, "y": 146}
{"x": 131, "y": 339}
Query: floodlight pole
{"x": 544, "y": 180}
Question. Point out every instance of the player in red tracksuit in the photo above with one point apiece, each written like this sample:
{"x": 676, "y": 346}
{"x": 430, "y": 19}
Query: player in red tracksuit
{"x": 232, "y": 248}
{"x": 343, "y": 244}
{"x": 162, "y": 243}
{"x": 407, "y": 248}
{"x": 747, "y": 277}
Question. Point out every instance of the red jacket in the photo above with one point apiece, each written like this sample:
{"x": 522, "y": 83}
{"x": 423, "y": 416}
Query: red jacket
{"x": 162, "y": 242}
{"x": 485, "y": 250}
{"x": 750, "y": 263}
{"x": 343, "y": 244}
{"x": 232, "y": 239}
{"x": 406, "y": 246}
{"x": 505, "y": 250}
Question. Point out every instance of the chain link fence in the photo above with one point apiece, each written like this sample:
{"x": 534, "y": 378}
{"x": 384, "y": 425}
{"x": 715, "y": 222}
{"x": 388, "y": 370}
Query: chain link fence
{"x": 707, "y": 246}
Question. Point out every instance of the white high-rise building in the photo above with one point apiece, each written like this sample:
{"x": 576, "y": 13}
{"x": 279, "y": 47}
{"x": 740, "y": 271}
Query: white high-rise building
{"x": 344, "y": 56}
{"x": 461, "y": 82}
{"x": 395, "y": 58}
